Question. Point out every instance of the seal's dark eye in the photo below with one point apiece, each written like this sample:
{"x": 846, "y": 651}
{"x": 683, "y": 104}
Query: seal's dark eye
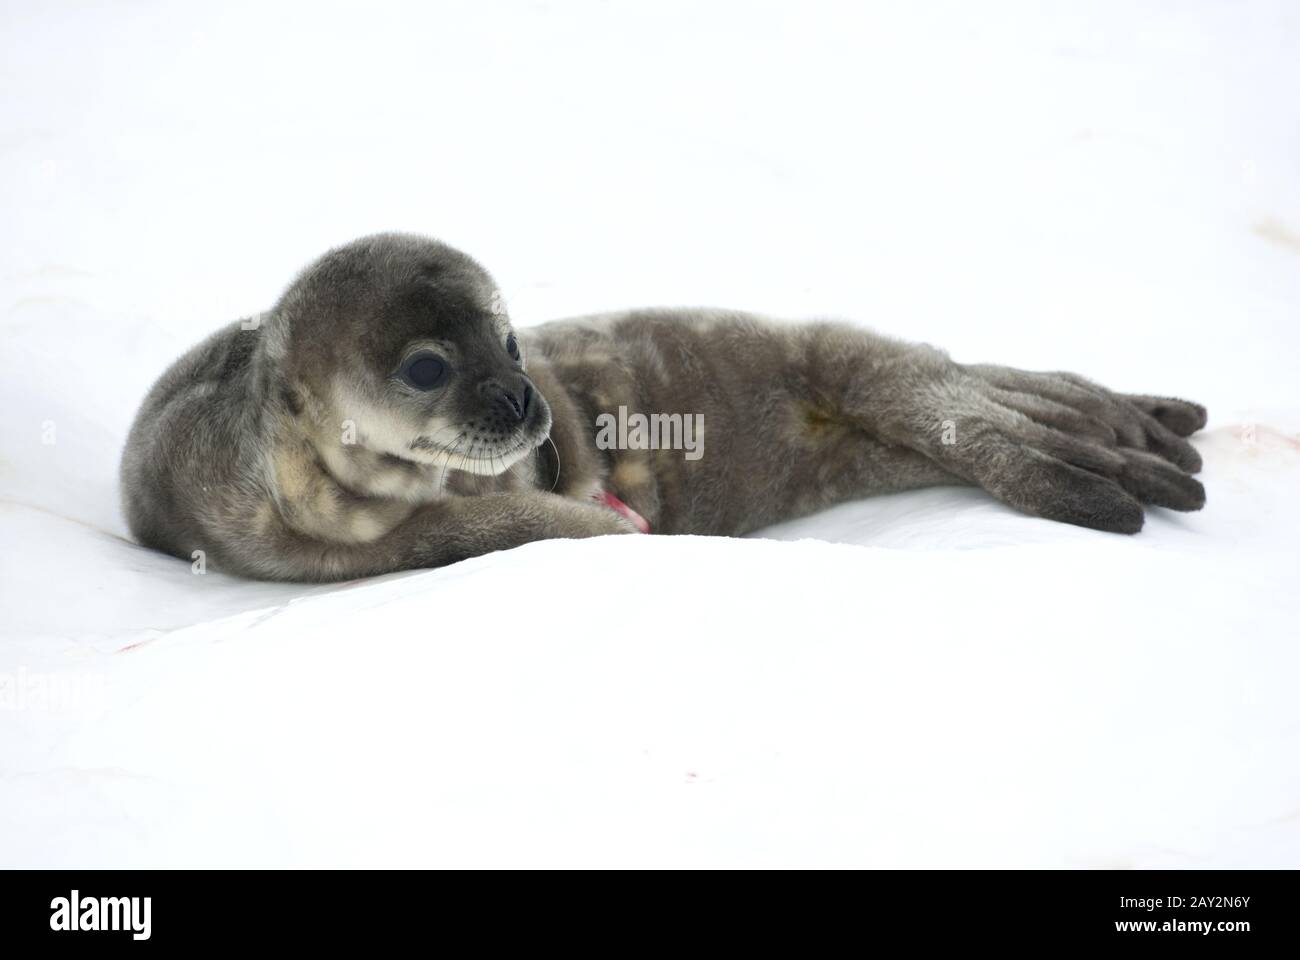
{"x": 512, "y": 347}
{"x": 424, "y": 371}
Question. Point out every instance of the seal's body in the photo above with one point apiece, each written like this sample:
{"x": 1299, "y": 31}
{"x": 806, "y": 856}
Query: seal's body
{"x": 385, "y": 416}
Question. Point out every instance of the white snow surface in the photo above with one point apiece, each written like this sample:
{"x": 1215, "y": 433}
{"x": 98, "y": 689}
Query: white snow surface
{"x": 1105, "y": 187}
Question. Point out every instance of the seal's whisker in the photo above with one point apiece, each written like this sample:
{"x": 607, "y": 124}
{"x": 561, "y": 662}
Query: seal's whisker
{"x": 447, "y": 461}
{"x": 556, "y": 482}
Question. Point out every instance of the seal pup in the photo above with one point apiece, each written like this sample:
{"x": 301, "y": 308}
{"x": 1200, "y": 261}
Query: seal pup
{"x": 385, "y": 415}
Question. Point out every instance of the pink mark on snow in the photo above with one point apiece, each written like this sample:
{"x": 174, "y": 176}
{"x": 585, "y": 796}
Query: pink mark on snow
{"x": 134, "y": 646}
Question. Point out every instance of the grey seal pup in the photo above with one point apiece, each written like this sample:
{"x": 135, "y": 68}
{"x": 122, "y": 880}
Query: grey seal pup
{"x": 385, "y": 415}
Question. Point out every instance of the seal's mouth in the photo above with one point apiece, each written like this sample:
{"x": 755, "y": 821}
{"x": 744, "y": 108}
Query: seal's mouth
{"x": 474, "y": 454}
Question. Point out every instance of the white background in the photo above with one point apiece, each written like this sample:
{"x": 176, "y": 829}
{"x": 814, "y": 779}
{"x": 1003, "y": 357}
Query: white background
{"x": 1105, "y": 187}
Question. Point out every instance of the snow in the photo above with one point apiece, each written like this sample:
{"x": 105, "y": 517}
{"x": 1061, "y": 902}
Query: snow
{"x": 1105, "y": 187}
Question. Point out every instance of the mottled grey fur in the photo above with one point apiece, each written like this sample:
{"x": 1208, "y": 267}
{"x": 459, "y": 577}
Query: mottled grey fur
{"x": 294, "y": 450}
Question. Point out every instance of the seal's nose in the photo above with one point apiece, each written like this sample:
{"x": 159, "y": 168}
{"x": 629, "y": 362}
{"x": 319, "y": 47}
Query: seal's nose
{"x": 515, "y": 403}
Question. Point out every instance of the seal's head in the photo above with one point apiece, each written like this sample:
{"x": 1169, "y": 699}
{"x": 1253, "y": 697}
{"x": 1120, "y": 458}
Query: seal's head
{"x": 403, "y": 345}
